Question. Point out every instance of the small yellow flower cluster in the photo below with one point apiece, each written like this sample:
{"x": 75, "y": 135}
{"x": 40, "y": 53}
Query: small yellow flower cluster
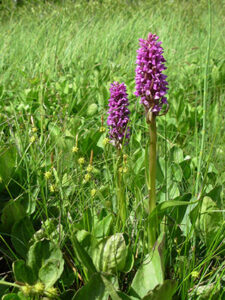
{"x": 75, "y": 149}
{"x": 102, "y": 129}
{"x": 105, "y": 141}
{"x": 52, "y": 188}
{"x": 195, "y": 274}
{"x": 47, "y": 175}
{"x": 39, "y": 289}
{"x": 81, "y": 161}
{"x": 93, "y": 192}
{"x": 124, "y": 168}
{"x": 87, "y": 177}
{"x": 89, "y": 168}
{"x": 32, "y": 139}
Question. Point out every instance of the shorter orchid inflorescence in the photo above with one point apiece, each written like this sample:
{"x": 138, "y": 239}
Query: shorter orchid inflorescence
{"x": 118, "y": 118}
{"x": 151, "y": 84}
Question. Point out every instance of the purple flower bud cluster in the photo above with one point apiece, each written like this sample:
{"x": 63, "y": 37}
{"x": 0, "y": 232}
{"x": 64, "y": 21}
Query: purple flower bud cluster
{"x": 151, "y": 85}
{"x": 118, "y": 118}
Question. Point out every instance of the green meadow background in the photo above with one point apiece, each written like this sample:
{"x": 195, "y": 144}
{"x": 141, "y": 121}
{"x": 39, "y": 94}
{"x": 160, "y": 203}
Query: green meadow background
{"x": 57, "y": 60}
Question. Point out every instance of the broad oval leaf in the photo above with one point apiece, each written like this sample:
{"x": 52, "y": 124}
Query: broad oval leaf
{"x": 110, "y": 254}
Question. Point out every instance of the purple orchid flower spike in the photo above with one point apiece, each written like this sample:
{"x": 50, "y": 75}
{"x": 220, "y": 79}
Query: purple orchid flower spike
{"x": 118, "y": 118}
{"x": 151, "y": 84}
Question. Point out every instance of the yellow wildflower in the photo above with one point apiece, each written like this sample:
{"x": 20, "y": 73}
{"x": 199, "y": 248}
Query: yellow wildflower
{"x": 48, "y": 174}
{"x": 195, "y": 274}
{"x": 51, "y": 292}
{"x": 75, "y": 149}
{"x": 93, "y": 192}
{"x": 32, "y": 139}
{"x": 87, "y": 177}
{"x": 102, "y": 129}
{"x": 105, "y": 141}
{"x": 89, "y": 168}
{"x": 34, "y": 129}
{"x": 81, "y": 160}
{"x": 125, "y": 169}
{"x": 38, "y": 288}
{"x": 52, "y": 188}
{"x": 125, "y": 156}
{"x": 121, "y": 169}
{"x": 26, "y": 289}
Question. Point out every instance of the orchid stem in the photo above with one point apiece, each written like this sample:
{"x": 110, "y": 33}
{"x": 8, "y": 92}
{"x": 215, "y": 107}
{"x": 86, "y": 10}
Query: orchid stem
{"x": 121, "y": 202}
{"x": 152, "y": 179}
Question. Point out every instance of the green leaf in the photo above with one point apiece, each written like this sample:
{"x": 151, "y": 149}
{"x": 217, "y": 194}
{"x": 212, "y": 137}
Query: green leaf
{"x": 125, "y": 297}
{"x": 24, "y": 273}
{"x": 110, "y": 254}
{"x": 164, "y": 291}
{"x": 11, "y": 296}
{"x": 110, "y": 288}
{"x": 84, "y": 238}
{"x": 129, "y": 261}
{"x": 139, "y": 163}
{"x": 179, "y": 211}
{"x": 12, "y": 213}
{"x": 92, "y": 109}
{"x": 99, "y": 287}
{"x": 22, "y": 232}
{"x": 210, "y": 220}
{"x": 159, "y": 172}
{"x": 7, "y": 165}
{"x": 215, "y": 195}
{"x": 50, "y": 272}
{"x": 159, "y": 210}
{"x": 102, "y": 228}
{"x": 45, "y": 258}
{"x": 93, "y": 290}
{"x": 148, "y": 276}
{"x": 83, "y": 256}
{"x": 177, "y": 153}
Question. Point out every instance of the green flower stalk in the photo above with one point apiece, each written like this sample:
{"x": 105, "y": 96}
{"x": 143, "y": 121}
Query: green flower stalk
{"x": 151, "y": 86}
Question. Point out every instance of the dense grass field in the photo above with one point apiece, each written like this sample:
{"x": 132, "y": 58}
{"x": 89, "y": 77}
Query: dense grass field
{"x": 61, "y": 232}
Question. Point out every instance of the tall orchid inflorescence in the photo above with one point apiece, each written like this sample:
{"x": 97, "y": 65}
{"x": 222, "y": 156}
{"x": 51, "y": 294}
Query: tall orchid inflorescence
{"x": 151, "y": 85}
{"x": 118, "y": 118}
